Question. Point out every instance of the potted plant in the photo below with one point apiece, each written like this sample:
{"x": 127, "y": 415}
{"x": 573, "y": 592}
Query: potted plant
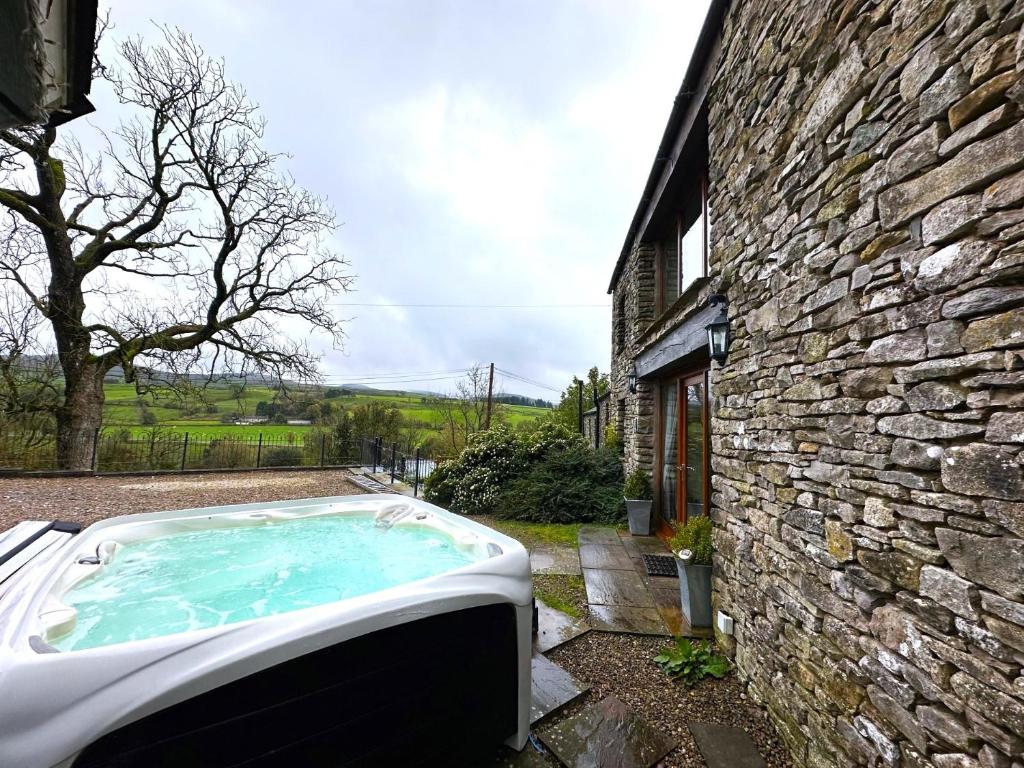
{"x": 693, "y": 549}
{"x": 639, "y": 501}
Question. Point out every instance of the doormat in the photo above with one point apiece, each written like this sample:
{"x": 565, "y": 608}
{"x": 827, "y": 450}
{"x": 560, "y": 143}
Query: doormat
{"x": 660, "y": 565}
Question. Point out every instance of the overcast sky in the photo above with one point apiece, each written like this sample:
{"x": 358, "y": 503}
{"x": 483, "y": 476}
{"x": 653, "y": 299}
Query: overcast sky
{"x": 476, "y": 152}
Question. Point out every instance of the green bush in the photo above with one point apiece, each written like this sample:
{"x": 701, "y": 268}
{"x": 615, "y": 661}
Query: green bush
{"x": 546, "y": 475}
{"x": 282, "y": 456}
{"x": 224, "y": 453}
{"x": 577, "y": 485}
{"x": 470, "y": 482}
{"x": 696, "y": 537}
{"x": 638, "y": 486}
{"x": 691, "y": 662}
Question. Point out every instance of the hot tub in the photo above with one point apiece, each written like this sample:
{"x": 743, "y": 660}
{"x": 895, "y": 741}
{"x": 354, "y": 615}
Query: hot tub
{"x": 355, "y": 630}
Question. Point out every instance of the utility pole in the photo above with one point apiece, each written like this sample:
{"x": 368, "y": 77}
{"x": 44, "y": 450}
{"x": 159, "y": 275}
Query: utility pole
{"x": 490, "y": 396}
{"x": 579, "y": 402}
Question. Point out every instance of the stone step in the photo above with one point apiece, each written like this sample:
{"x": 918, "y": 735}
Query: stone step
{"x": 725, "y": 747}
{"x": 607, "y": 734}
{"x": 552, "y": 688}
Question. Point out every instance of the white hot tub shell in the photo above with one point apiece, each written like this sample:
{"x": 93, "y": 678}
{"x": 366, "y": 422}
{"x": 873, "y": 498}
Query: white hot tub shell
{"x": 345, "y": 682}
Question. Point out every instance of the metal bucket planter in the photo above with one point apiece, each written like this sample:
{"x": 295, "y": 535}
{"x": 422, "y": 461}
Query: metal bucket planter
{"x": 638, "y": 511}
{"x": 695, "y": 593}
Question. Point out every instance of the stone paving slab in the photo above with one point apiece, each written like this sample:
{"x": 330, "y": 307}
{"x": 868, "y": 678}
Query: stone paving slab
{"x": 637, "y": 545}
{"x": 555, "y": 627}
{"x": 604, "y": 556}
{"x": 725, "y": 747}
{"x": 607, "y": 734}
{"x": 563, "y": 561}
{"x": 552, "y": 687}
{"x": 628, "y": 619}
{"x": 615, "y": 587}
{"x": 589, "y": 534}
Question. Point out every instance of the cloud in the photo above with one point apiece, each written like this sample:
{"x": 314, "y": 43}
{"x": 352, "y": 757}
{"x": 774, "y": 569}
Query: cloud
{"x": 478, "y": 153}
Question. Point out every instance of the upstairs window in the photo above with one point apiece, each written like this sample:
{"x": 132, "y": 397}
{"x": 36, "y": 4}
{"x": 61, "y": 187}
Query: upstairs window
{"x": 693, "y": 236}
{"x": 683, "y": 256}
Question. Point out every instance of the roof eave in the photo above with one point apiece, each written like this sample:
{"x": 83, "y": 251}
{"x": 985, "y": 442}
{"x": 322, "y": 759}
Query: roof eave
{"x": 694, "y": 71}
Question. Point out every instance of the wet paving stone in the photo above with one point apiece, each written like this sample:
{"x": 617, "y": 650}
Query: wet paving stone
{"x": 616, "y": 587}
{"x": 636, "y": 545}
{"x": 605, "y": 556}
{"x": 561, "y": 561}
{"x": 606, "y": 735}
{"x": 555, "y": 627}
{"x": 725, "y": 747}
{"x": 590, "y": 534}
{"x": 552, "y": 689}
{"x": 628, "y": 619}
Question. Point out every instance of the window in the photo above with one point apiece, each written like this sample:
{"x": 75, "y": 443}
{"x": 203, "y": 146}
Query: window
{"x": 693, "y": 237}
{"x": 683, "y": 258}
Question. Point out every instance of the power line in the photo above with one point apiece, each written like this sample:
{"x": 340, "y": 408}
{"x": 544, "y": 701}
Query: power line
{"x": 526, "y": 380}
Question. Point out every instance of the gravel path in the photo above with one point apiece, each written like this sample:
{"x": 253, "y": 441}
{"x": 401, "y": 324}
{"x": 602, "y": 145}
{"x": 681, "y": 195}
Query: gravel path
{"x": 621, "y": 665}
{"x": 88, "y": 499}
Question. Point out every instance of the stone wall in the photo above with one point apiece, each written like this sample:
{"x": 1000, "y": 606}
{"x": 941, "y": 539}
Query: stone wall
{"x": 866, "y": 197}
{"x": 634, "y": 292}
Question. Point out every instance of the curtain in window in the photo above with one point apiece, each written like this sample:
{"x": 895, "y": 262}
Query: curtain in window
{"x": 669, "y": 449}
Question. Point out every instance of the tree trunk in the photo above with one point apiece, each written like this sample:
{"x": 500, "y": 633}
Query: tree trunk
{"x": 79, "y": 417}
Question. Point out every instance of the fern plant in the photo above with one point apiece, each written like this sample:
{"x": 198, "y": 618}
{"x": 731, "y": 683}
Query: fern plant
{"x": 696, "y": 537}
{"x": 691, "y": 662}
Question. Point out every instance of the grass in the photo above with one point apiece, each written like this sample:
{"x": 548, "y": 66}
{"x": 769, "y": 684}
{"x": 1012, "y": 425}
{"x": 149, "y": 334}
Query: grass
{"x": 532, "y": 535}
{"x": 567, "y": 594}
{"x": 122, "y": 408}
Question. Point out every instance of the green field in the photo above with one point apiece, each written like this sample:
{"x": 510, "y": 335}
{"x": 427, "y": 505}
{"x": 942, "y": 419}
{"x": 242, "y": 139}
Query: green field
{"x": 122, "y": 410}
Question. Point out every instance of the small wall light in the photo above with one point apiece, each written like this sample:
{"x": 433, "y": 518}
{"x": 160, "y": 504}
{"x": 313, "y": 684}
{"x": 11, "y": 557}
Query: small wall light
{"x": 631, "y": 380}
{"x": 718, "y": 329}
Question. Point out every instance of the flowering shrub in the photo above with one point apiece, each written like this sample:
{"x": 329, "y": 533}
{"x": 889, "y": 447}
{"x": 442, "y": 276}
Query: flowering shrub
{"x": 469, "y": 483}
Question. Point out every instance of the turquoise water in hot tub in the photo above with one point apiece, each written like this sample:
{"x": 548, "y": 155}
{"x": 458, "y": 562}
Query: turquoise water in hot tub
{"x": 223, "y": 575}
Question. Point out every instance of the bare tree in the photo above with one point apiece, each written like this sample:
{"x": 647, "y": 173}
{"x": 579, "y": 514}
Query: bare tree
{"x": 181, "y": 244}
{"x": 464, "y": 412}
{"x": 29, "y": 378}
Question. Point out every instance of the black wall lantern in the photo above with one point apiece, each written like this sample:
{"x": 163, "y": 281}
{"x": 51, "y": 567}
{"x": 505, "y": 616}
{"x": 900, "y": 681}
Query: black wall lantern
{"x": 631, "y": 380}
{"x": 718, "y": 329}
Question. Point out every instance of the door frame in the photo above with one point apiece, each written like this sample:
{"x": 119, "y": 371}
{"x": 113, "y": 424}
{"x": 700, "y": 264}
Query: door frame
{"x": 702, "y": 376}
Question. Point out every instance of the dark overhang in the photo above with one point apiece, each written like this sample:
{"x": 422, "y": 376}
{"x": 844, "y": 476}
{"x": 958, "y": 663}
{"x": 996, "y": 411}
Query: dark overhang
{"x": 46, "y": 53}
{"x": 681, "y": 121}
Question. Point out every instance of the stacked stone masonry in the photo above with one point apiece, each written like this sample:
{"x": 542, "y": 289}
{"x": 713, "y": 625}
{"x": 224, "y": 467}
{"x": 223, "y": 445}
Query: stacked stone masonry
{"x": 866, "y": 166}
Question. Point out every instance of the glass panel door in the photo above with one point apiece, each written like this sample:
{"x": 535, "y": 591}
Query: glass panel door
{"x": 669, "y": 450}
{"x": 695, "y": 474}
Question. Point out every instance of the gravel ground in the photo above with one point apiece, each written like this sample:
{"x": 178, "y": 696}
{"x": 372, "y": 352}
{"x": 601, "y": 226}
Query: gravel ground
{"x": 88, "y": 499}
{"x": 621, "y": 665}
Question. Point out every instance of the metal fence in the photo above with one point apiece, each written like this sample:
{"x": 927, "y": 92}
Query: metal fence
{"x": 402, "y": 463}
{"x": 126, "y": 451}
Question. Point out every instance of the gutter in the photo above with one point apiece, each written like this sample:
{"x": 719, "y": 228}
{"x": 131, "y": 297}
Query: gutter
{"x": 698, "y": 59}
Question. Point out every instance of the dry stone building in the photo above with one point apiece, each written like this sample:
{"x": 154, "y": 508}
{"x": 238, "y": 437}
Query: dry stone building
{"x": 849, "y": 176}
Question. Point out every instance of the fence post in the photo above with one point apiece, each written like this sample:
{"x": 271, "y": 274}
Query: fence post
{"x": 376, "y": 453}
{"x": 416, "y": 476}
{"x": 323, "y": 439}
{"x": 184, "y": 452}
{"x": 95, "y": 446}
{"x": 259, "y": 450}
{"x": 394, "y": 449}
